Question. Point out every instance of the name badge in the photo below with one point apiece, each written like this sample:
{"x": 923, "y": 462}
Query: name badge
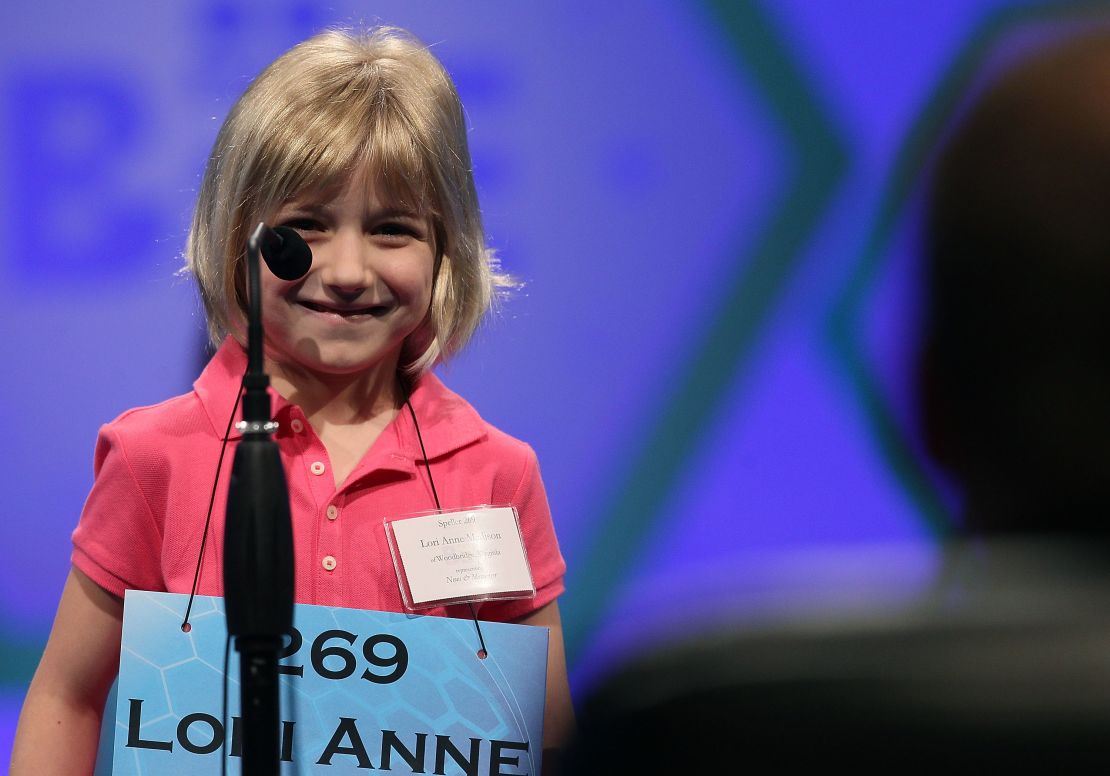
{"x": 361, "y": 692}
{"x": 471, "y": 555}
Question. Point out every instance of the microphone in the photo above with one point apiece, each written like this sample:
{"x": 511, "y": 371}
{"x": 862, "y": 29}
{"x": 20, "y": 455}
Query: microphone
{"x": 286, "y": 253}
{"x": 258, "y": 531}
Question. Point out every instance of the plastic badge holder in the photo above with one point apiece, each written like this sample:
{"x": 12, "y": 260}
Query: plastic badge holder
{"x": 458, "y": 557}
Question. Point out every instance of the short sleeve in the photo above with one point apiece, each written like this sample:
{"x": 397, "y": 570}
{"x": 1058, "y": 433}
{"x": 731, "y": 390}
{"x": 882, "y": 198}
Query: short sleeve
{"x": 538, "y": 531}
{"x": 117, "y": 542}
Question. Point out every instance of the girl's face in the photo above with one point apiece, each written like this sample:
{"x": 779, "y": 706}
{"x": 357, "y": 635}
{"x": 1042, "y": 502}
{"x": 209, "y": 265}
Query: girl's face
{"x": 369, "y": 287}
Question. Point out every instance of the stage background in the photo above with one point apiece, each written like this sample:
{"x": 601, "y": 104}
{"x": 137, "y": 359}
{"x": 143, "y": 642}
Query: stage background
{"x": 711, "y": 204}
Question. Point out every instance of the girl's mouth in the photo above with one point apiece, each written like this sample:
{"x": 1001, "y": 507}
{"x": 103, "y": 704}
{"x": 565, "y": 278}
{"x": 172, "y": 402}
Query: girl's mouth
{"x": 375, "y": 311}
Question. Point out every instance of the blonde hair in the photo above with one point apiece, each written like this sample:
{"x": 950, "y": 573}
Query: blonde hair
{"x": 337, "y": 103}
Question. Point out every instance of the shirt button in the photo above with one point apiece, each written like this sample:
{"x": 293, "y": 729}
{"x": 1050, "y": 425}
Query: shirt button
{"x": 317, "y": 468}
{"x": 333, "y": 512}
{"x": 328, "y": 563}
{"x": 297, "y": 426}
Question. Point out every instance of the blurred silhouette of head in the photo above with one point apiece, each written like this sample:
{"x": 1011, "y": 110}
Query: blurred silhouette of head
{"x": 1016, "y": 363}
{"x": 1002, "y": 666}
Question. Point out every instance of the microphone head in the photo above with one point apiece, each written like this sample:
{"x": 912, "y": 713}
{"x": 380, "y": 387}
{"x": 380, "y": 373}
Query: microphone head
{"x": 286, "y": 253}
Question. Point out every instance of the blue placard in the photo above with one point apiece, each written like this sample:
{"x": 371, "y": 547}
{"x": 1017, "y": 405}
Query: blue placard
{"x": 364, "y": 690}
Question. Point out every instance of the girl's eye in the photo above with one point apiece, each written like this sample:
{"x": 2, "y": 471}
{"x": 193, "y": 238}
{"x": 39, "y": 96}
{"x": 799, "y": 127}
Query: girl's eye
{"x": 395, "y": 229}
{"x": 303, "y": 224}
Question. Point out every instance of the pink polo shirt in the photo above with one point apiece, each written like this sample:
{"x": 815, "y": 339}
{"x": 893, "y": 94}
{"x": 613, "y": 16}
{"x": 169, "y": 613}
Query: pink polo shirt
{"x": 142, "y": 523}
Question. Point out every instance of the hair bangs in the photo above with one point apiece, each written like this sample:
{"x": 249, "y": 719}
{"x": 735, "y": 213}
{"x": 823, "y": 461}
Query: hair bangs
{"x": 359, "y": 130}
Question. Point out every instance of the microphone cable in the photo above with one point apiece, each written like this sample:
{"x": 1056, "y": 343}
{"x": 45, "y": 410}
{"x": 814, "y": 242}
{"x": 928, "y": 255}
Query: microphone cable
{"x": 185, "y": 626}
{"x": 483, "y": 652}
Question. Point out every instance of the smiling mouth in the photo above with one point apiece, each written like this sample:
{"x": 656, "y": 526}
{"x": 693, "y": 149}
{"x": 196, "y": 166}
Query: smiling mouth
{"x": 375, "y": 311}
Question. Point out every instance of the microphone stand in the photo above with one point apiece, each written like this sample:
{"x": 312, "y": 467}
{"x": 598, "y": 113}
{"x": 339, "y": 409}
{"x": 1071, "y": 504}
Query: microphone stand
{"x": 258, "y": 551}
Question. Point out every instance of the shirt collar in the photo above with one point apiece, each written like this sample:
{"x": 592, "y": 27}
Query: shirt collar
{"x": 446, "y": 421}
{"x": 217, "y": 388}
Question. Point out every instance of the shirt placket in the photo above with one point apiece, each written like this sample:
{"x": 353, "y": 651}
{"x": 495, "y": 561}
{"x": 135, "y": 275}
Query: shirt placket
{"x": 328, "y": 566}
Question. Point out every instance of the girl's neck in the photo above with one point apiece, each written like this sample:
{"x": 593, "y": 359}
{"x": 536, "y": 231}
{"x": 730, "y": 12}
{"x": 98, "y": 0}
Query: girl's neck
{"x": 339, "y": 400}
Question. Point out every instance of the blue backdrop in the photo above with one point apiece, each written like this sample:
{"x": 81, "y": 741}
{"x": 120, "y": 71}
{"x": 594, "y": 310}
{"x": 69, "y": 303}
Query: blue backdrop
{"x": 711, "y": 204}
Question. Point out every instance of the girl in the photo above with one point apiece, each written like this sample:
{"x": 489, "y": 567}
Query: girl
{"x": 359, "y": 143}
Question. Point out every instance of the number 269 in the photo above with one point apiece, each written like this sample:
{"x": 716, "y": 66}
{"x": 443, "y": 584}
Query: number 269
{"x": 338, "y": 661}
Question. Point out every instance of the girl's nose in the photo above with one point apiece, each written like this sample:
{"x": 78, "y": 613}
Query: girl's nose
{"x": 346, "y": 268}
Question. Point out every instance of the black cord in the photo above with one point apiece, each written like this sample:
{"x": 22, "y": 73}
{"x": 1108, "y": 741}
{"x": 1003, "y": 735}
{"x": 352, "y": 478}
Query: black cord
{"x": 423, "y": 452}
{"x": 211, "y": 502}
{"x": 228, "y": 731}
{"x": 431, "y": 481}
